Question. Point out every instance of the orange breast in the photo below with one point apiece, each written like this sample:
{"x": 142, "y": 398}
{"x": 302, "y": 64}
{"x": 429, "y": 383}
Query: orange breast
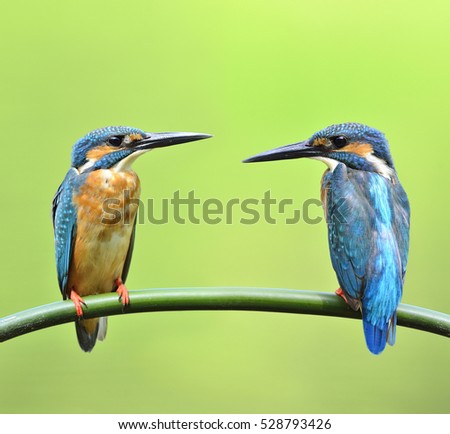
{"x": 107, "y": 206}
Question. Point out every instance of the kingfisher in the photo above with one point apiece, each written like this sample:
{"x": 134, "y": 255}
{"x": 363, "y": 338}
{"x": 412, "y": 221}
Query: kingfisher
{"x": 94, "y": 217}
{"x": 368, "y": 218}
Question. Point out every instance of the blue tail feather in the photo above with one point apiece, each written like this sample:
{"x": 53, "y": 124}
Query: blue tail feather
{"x": 375, "y": 337}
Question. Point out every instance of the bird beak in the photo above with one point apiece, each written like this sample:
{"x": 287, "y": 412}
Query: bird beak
{"x": 161, "y": 140}
{"x": 296, "y": 150}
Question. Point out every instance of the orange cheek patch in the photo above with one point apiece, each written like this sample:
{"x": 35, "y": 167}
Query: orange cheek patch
{"x": 101, "y": 151}
{"x": 134, "y": 137}
{"x": 361, "y": 149}
{"x": 322, "y": 141}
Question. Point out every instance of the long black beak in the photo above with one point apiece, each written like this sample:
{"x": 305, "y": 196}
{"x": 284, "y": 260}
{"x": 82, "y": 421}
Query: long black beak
{"x": 161, "y": 140}
{"x": 296, "y": 150}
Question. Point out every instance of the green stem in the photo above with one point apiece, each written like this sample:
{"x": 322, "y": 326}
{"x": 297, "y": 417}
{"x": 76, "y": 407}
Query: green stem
{"x": 169, "y": 299}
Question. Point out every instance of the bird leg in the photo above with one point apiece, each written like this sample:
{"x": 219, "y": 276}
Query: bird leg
{"x": 354, "y": 303}
{"x": 122, "y": 291}
{"x": 341, "y": 293}
{"x": 77, "y": 301}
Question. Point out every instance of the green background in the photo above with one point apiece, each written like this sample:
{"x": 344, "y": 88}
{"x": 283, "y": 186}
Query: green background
{"x": 255, "y": 74}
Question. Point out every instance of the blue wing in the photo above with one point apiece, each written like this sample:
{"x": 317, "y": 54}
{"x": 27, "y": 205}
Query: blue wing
{"x": 64, "y": 224}
{"x": 401, "y": 222}
{"x": 368, "y": 224}
{"x": 350, "y": 222}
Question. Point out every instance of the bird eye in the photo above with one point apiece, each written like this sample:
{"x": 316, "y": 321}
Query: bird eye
{"x": 339, "y": 141}
{"x": 115, "y": 140}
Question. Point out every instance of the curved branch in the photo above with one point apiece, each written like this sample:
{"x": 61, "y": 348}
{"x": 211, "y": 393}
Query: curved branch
{"x": 169, "y": 299}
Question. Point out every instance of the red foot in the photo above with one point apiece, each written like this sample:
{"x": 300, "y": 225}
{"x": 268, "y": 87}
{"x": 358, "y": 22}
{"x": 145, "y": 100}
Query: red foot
{"x": 122, "y": 291}
{"x": 77, "y": 301}
{"x": 341, "y": 294}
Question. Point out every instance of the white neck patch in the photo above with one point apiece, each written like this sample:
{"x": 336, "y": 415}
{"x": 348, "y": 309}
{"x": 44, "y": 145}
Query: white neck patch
{"x": 381, "y": 166}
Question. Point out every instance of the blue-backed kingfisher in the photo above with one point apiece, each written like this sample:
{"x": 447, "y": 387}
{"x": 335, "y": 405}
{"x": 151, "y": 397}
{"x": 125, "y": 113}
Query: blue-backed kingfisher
{"x": 93, "y": 254}
{"x": 368, "y": 214}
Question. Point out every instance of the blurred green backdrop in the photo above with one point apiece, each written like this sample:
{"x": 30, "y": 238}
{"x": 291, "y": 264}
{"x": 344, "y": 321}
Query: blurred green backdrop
{"x": 256, "y": 74}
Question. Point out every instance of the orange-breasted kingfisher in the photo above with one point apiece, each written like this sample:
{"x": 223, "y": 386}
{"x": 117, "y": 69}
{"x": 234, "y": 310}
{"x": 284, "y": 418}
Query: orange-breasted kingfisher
{"x": 368, "y": 216}
{"x": 93, "y": 254}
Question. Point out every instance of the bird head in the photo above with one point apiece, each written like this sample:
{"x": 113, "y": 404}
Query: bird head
{"x": 356, "y": 145}
{"x": 117, "y": 147}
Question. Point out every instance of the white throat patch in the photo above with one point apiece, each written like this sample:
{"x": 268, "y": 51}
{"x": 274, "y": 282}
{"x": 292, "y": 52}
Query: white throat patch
{"x": 86, "y": 166}
{"x": 122, "y": 166}
{"x": 328, "y": 161}
{"x": 125, "y": 164}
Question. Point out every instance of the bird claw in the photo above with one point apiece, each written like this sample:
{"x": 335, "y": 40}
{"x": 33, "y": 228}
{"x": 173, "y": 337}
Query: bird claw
{"x": 341, "y": 293}
{"x": 123, "y": 292}
{"x": 354, "y": 303}
{"x": 77, "y": 301}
